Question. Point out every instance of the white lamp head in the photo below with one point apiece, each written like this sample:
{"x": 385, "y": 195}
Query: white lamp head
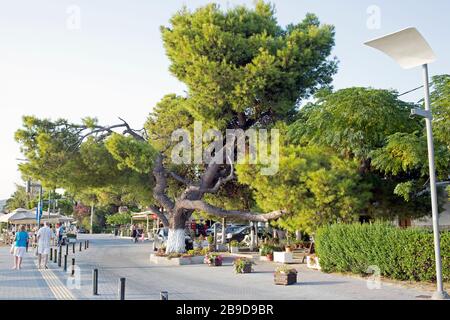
{"x": 407, "y": 47}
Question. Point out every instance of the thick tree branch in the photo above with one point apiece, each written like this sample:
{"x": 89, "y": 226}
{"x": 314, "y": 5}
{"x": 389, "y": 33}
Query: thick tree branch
{"x": 180, "y": 179}
{"x": 160, "y": 215}
{"x": 221, "y": 181}
{"x": 219, "y": 212}
{"x": 159, "y": 192}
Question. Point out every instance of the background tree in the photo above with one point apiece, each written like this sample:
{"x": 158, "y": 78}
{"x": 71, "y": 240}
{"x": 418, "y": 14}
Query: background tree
{"x": 19, "y": 199}
{"x": 374, "y": 128}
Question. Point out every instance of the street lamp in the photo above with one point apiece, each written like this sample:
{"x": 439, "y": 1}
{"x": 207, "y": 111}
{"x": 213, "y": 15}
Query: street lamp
{"x": 410, "y": 49}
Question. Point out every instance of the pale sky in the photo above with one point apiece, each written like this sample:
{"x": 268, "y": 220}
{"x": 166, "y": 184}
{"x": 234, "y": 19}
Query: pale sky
{"x": 114, "y": 63}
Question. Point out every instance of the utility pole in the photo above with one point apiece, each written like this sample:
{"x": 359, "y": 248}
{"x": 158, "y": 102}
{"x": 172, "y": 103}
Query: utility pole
{"x": 92, "y": 218}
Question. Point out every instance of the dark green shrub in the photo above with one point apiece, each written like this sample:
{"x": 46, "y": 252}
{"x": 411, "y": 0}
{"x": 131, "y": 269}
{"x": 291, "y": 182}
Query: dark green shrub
{"x": 403, "y": 254}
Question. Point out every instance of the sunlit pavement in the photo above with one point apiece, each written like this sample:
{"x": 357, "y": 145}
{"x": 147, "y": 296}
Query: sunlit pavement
{"x": 117, "y": 258}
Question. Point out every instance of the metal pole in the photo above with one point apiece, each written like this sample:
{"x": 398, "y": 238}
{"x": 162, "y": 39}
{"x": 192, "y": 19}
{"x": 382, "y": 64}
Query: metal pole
{"x": 95, "y": 282}
{"x": 49, "y": 202}
{"x": 39, "y": 206}
{"x": 122, "y": 289}
{"x": 81, "y": 244}
{"x": 164, "y": 295}
{"x": 73, "y": 267}
{"x": 215, "y": 236}
{"x": 224, "y": 221}
{"x": 65, "y": 263}
{"x": 59, "y": 256}
{"x": 51, "y": 254}
{"x": 55, "y": 256}
{"x": 92, "y": 218}
{"x": 73, "y": 247}
{"x": 440, "y": 293}
{"x": 67, "y": 249}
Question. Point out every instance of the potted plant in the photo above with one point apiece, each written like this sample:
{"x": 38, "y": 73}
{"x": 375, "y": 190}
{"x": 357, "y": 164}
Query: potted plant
{"x": 234, "y": 246}
{"x": 288, "y": 248}
{"x": 213, "y": 259}
{"x": 242, "y": 265}
{"x": 197, "y": 244}
{"x": 285, "y": 276}
{"x": 211, "y": 242}
{"x": 161, "y": 252}
{"x": 312, "y": 262}
{"x": 267, "y": 251}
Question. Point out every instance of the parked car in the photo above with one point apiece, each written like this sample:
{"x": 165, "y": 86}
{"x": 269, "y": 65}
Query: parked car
{"x": 228, "y": 228}
{"x": 240, "y": 233}
{"x": 81, "y": 230}
{"x": 163, "y": 235}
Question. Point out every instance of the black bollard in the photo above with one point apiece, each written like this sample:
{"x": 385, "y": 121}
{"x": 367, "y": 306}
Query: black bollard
{"x": 164, "y": 295}
{"x": 59, "y": 256}
{"x": 51, "y": 254}
{"x": 55, "y": 255}
{"x": 67, "y": 249}
{"x": 122, "y": 289}
{"x": 73, "y": 267}
{"x": 87, "y": 243}
{"x": 95, "y": 282}
{"x": 73, "y": 248}
{"x": 65, "y": 263}
{"x": 81, "y": 243}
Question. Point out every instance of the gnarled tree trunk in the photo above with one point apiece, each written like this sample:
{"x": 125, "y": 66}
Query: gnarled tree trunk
{"x": 176, "y": 241}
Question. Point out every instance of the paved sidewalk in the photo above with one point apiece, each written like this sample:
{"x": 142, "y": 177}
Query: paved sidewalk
{"x": 24, "y": 284}
{"x": 116, "y": 258}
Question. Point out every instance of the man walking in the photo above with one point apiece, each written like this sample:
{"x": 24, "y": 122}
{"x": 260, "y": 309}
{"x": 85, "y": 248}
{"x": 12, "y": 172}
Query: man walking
{"x": 44, "y": 237}
{"x": 59, "y": 234}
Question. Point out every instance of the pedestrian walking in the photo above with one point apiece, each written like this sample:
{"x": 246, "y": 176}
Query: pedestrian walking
{"x": 134, "y": 234}
{"x": 59, "y": 234}
{"x": 20, "y": 246}
{"x": 44, "y": 237}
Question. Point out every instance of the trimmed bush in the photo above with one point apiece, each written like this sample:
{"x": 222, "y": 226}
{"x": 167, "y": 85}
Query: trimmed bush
{"x": 402, "y": 254}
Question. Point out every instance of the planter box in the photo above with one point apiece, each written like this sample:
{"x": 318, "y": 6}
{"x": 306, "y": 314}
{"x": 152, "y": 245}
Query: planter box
{"x": 283, "y": 257}
{"x": 285, "y": 279}
{"x": 197, "y": 260}
{"x": 216, "y": 263}
{"x": 313, "y": 263}
{"x": 183, "y": 261}
{"x": 247, "y": 268}
{"x": 234, "y": 249}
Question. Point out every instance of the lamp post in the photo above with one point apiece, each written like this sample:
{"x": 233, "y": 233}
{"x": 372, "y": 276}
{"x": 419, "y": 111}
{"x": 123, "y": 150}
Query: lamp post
{"x": 410, "y": 49}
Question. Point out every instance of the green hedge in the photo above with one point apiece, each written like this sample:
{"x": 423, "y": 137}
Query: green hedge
{"x": 403, "y": 254}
